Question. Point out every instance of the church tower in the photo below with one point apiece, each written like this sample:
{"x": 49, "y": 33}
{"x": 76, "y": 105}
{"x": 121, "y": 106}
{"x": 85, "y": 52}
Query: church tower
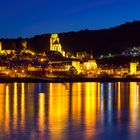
{"x": 55, "y": 44}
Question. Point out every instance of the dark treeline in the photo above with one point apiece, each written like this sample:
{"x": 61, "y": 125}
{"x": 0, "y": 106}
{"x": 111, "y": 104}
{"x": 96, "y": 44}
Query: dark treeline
{"x": 112, "y": 40}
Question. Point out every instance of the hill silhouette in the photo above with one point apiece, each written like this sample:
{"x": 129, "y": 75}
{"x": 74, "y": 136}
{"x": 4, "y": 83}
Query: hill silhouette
{"x": 112, "y": 40}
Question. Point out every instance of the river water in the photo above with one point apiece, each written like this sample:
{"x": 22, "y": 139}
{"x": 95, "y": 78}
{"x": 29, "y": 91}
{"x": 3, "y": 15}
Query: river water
{"x": 70, "y": 111}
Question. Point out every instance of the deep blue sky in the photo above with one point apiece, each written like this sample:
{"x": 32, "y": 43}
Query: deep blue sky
{"x": 25, "y": 18}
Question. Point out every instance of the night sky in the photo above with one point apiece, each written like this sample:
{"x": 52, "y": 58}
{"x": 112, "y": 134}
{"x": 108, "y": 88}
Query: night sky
{"x": 25, "y": 18}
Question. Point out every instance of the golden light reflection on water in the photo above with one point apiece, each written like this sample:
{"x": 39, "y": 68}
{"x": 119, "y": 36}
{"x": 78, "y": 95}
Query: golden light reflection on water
{"x": 76, "y": 102}
{"x": 99, "y": 96}
{"x": 83, "y": 107}
{"x": 134, "y": 104}
{"x": 15, "y": 107}
{"x": 119, "y": 97}
{"x": 119, "y": 101}
{"x": 41, "y": 113}
{"x": 1, "y": 105}
{"x": 102, "y": 98}
{"x": 91, "y": 108}
{"x": 22, "y": 105}
{"x": 7, "y": 110}
{"x": 58, "y": 110}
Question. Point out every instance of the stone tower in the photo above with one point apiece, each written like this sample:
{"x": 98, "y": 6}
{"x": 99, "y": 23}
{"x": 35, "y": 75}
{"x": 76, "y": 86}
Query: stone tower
{"x": 55, "y": 44}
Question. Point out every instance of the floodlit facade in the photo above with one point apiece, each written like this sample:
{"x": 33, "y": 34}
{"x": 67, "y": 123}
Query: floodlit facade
{"x": 133, "y": 68}
{"x": 90, "y": 65}
{"x": 77, "y": 66}
{"x": 55, "y": 44}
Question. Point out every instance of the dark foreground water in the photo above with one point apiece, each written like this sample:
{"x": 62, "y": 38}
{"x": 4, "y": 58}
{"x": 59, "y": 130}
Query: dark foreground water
{"x": 64, "y": 111}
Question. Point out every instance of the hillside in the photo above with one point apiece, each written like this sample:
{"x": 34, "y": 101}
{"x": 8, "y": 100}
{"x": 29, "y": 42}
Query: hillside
{"x": 103, "y": 41}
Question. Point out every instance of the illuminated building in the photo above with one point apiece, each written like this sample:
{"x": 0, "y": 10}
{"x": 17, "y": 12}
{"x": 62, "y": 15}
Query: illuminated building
{"x": 25, "y": 50}
{"x": 76, "y": 65}
{"x": 90, "y": 65}
{"x": 133, "y": 68}
{"x": 55, "y": 44}
{"x": 5, "y": 51}
{"x": 84, "y": 55}
{"x": 121, "y": 71}
{"x": 34, "y": 68}
{"x": 23, "y": 44}
{"x": 80, "y": 55}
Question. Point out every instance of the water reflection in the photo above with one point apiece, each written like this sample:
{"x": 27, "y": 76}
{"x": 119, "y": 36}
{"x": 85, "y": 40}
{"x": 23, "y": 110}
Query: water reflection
{"x": 41, "y": 113}
{"x": 58, "y": 110}
{"x": 7, "y": 110}
{"x": 70, "y": 111}
{"x": 15, "y": 106}
{"x": 92, "y": 108}
{"x": 134, "y": 108}
{"x": 22, "y": 105}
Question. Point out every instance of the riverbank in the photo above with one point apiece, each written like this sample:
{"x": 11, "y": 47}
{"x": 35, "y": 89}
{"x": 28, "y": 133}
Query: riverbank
{"x": 72, "y": 79}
